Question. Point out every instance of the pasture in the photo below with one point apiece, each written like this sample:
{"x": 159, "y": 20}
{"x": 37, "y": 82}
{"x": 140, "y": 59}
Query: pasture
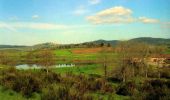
{"x": 88, "y": 74}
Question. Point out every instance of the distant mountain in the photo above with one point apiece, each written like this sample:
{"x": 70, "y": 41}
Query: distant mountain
{"x": 11, "y": 46}
{"x": 153, "y": 41}
{"x": 149, "y": 40}
{"x": 112, "y": 42}
{"x": 37, "y": 46}
{"x": 45, "y": 45}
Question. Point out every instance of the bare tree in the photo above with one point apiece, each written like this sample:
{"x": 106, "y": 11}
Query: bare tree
{"x": 123, "y": 59}
{"x": 46, "y": 58}
{"x": 143, "y": 54}
{"x": 132, "y": 58}
{"x": 105, "y": 58}
{"x": 158, "y": 51}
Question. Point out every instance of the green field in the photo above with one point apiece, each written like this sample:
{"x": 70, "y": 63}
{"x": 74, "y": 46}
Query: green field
{"x": 87, "y": 64}
{"x": 66, "y": 55}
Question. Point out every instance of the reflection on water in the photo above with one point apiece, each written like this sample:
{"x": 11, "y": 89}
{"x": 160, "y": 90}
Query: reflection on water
{"x": 34, "y": 66}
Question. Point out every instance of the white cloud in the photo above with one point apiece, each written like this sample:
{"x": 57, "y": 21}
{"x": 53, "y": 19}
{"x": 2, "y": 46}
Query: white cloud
{"x": 115, "y": 11}
{"x": 35, "y": 16}
{"x": 80, "y": 10}
{"x": 94, "y": 2}
{"x": 32, "y": 25}
{"x": 117, "y": 14}
{"x": 7, "y": 26}
{"x": 148, "y": 20}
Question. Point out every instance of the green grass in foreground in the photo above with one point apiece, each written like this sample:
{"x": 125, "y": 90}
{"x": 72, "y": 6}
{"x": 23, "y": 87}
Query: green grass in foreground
{"x": 86, "y": 69}
{"x": 10, "y": 95}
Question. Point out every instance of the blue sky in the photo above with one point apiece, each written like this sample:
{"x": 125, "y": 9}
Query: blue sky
{"x": 28, "y": 22}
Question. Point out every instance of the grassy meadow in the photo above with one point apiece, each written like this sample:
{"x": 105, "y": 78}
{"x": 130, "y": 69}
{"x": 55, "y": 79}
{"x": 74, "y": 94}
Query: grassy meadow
{"x": 88, "y": 74}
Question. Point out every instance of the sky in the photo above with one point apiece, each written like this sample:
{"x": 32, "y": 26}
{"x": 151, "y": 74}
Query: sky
{"x": 29, "y": 22}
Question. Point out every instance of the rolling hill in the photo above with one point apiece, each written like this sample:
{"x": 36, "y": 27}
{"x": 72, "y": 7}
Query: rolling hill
{"x": 149, "y": 40}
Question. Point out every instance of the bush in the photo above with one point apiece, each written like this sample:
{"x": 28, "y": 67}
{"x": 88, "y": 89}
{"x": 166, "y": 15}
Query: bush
{"x": 165, "y": 73}
{"x": 8, "y": 80}
{"x": 60, "y": 93}
{"x": 52, "y": 78}
{"x": 156, "y": 90}
{"x": 113, "y": 79}
{"x": 125, "y": 89}
{"x": 24, "y": 82}
{"x": 63, "y": 93}
{"x": 107, "y": 87}
{"x": 27, "y": 84}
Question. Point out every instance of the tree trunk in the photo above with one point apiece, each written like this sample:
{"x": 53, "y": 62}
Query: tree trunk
{"x": 124, "y": 77}
{"x": 105, "y": 70}
{"x": 133, "y": 68}
{"x": 133, "y": 71}
{"x": 105, "y": 67}
{"x": 159, "y": 74}
{"x": 146, "y": 72}
{"x": 47, "y": 70}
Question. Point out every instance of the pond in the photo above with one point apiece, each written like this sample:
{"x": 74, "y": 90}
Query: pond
{"x": 34, "y": 66}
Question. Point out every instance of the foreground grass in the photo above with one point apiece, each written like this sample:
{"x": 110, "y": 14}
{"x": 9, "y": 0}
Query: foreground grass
{"x": 10, "y": 95}
{"x": 86, "y": 70}
{"x": 7, "y": 94}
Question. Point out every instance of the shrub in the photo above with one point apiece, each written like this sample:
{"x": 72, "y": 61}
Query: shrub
{"x": 24, "y": 82}
{"x": 113, "y": 79}
{"x": 128, "y": 88}
{"x": 107, "y": 87}
{"x": 165, "y": 73}
{"x": 63, "y": 93}
{"x": 52, "y": 77}
{"x": 8, "y": 80}
{"x": 60, "y": 93}
{"x": 29, "y": 82}
{"x": 155, "y": 90}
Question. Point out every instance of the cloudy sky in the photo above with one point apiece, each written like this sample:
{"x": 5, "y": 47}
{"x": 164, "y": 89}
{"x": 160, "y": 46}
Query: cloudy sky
{"x": 28, "y": 22}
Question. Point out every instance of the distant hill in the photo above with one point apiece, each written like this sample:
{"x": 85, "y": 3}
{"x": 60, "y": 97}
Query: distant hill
{"x": 11, "y": 46}
{"x": 112, "y": 42}
{"x": 37, "y": 46}
{"x": 153, "y": 41}
{"x": 149, "y": 40}
{"x": 45, "y": 45}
